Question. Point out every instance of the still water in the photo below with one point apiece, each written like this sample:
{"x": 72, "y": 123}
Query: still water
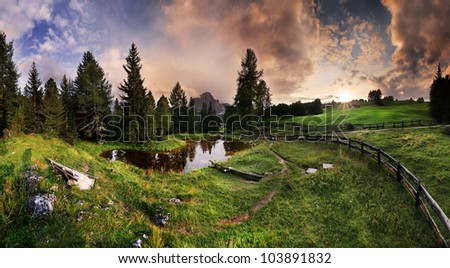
{"x": 194, "y": 155}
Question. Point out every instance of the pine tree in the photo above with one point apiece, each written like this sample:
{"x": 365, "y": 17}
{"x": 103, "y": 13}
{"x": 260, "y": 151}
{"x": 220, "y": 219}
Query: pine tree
{"x": 177, "y": 96}
{"x": 93, "y": 97}
{"x": 262, "y": 97}
{"x": 247, "y": 83}
{"x": 163, "y": 116}
{"x": 8, "y": 84}
{"x": 134, "y": 96}
{"x": 18, "y": 121}
{"x": 33, "y": 92}
{"x": 117, "y": 108}
{"x": 68, "y": 99}
{"x": 440, "y": 97}
{"x": 150, "y": 111}
{"x": 191, "y": 116}
{"x": 53, "y": 109}
{"x": 178, "y": 101}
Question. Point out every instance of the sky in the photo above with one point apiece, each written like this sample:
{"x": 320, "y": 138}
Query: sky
{"x": 327, "y": 49}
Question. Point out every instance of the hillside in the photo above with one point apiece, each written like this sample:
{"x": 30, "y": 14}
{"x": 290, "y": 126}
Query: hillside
{"x": 355, "y": 204}
{"x": 370, "y": 113}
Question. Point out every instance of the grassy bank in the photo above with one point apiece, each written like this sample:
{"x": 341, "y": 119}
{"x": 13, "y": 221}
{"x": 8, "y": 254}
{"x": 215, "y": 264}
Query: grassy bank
{"x": 369, "y": 114}
{"x": 423, "y": 151}
{"x": 356, "y": 204}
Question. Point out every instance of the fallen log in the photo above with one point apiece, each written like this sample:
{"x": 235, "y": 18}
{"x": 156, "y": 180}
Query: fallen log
{"x": 73, "y": 177}
{"x": 248, "y": 175}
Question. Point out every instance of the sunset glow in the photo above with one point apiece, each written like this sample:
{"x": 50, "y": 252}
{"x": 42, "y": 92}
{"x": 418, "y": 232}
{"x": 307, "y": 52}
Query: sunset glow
{"x": 345, "y": 97}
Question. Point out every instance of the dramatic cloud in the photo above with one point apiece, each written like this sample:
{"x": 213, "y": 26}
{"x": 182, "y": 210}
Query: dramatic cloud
{"x": 307, "y": 48}
{"x": 421, "y": 33}
{"x": 284, "y": 34}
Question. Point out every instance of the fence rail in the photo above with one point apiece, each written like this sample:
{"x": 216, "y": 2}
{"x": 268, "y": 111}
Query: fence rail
{"x": 407, "y": 178}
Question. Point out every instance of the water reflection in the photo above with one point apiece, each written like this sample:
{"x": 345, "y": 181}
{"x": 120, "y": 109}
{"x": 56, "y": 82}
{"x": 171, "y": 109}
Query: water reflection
{"x": 193, "y": 155}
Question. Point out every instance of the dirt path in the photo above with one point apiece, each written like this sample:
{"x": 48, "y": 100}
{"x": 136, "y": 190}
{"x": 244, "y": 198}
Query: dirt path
{"x": 284, "y": 166}
{"x": 284, "y": 161}
{"x": 245, "y": 216}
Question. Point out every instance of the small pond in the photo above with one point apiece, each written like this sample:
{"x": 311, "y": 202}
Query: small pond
{"x": 192, "y": 156}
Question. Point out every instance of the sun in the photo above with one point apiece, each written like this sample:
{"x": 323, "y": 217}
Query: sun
{"x": 345, "y": 96}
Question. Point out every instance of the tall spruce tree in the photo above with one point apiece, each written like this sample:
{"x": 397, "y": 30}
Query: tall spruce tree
{"x": 191, "y": 116}
{"x": 133, "y": 97}
{"x": 53, "y": 109}
{"x": 8, "y": 84}
{"x": 247, "y": 83}
{"x": 440, "y": 97}
{"x": 93, "y": 98}
{"x": 68, "y": 99}
{"x": 150, "y": 115}
{"x": 178, "y": 101}
{"x": 34, "y": 94}
{"x": 262, "y": 97}
{"x": 163, "y": 116}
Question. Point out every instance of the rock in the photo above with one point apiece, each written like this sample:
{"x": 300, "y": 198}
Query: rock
{"x": 41, "y": 205}
{"x": 175, "y": 201}
{"x": 30, "y": 168}
{"x": 80, "y": 216}
{"x": 162, "y": 218}
{"x": 311, "y": 170}
{"x": 137, "y": 243}
{"x": 327, "y": 166}
{"x": 32, "y": 180}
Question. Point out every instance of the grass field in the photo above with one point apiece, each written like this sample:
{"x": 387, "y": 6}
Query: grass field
{"x": 356, "y": 204}
{"x": 369, "y": 114}
{"x": 425, "y": 152}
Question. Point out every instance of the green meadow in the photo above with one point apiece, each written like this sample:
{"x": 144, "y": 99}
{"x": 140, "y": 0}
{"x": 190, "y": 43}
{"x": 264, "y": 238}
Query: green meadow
{"x": 368, "y": 113}
{"x": 354, "y": 204}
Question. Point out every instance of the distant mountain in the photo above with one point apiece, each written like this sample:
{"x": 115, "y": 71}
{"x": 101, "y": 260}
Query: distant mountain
{"x": 207, "y": 98}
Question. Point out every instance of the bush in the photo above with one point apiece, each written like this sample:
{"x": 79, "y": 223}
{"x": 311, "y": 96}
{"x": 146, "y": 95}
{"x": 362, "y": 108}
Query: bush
{"x": 446, "y": 130}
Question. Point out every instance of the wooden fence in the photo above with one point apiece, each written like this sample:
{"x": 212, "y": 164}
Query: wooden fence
{"x": 423, "y": 198}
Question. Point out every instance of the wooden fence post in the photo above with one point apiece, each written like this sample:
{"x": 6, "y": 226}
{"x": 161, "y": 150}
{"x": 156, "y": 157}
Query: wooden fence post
{"x": 419, "y": 189}
{"x": 378, "y": 156}
{"x": 399, "y": 167}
